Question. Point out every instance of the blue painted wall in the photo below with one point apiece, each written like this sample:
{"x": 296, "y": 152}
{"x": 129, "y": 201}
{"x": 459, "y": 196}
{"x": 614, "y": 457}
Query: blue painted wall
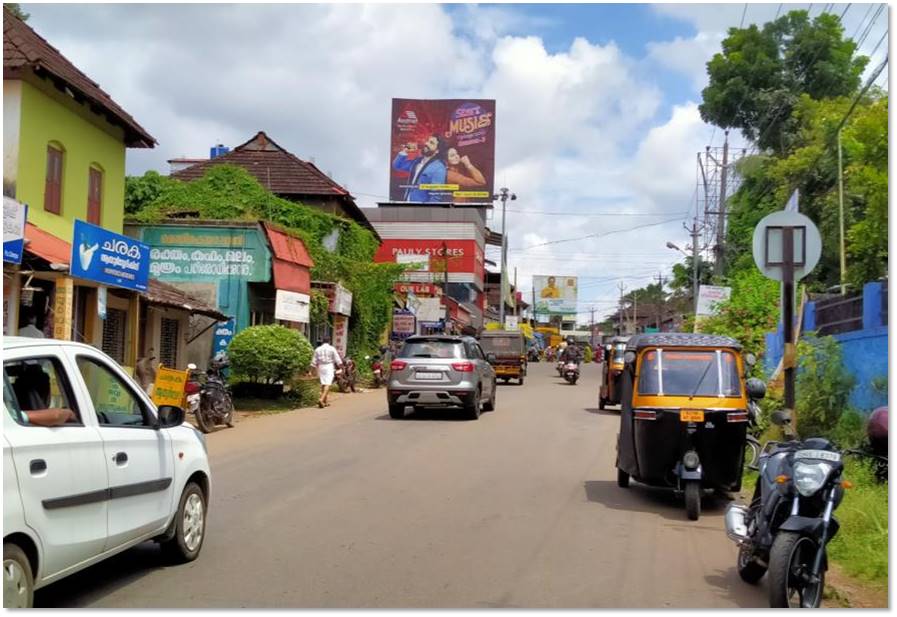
{"x": 865, "y": 351}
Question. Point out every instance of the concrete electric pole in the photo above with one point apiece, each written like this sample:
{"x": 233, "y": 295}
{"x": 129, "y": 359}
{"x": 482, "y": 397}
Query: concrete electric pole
{"x": 721, "y": 211}
{"x": 503, "y": 194}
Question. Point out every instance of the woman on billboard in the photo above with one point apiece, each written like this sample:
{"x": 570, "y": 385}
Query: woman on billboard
{"x": 461, "y": 171}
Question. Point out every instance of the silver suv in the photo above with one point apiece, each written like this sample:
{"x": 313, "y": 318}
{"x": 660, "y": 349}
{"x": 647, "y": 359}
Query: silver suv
{"x": 439, "y": 371}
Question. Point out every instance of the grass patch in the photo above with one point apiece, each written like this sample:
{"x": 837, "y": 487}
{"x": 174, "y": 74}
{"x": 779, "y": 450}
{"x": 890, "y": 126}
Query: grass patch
{"x": 265, "y": 404}
{"x": 861, "y": 546}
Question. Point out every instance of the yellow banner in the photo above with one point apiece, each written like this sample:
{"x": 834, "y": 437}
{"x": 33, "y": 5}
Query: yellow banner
{"x": 169, "y": 387}
{"x": 439, "y": 187}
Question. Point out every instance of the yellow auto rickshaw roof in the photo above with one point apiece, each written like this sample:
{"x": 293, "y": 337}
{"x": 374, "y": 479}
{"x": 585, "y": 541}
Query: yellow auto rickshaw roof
{"x": 681, "y": 339}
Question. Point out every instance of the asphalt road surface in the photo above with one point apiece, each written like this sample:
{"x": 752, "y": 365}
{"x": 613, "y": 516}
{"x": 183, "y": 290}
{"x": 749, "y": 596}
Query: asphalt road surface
{"x": 344, "y": 507}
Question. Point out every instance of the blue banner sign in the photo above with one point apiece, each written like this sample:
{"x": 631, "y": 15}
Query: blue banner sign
{"x": 109, "y": 258}
{"x": 224, "y": 332}
{"x": 14, "y": 216}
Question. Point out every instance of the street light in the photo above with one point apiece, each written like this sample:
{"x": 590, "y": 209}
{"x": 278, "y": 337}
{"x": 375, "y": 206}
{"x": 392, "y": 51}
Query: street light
{"x": 504, "y": 194}
{"x": 670, "y": 245}
{"x": 694, "y": 268}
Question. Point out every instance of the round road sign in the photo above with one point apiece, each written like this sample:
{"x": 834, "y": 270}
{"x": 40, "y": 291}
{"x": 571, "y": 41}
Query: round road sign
{"x": 768, "y": 240}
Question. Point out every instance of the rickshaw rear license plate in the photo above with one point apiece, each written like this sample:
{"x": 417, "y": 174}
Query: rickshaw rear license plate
{"x": 691, "y": 415}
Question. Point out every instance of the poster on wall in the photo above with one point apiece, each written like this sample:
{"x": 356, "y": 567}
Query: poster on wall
{"x": 291, "y": 306}
{"x": 109, "y": 258}
{"x": 341, "y": 334}
{"x": 555, "y": 295}
{"x": 442, "y": 151}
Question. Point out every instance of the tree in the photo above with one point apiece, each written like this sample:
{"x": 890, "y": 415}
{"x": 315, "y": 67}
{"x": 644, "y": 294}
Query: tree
{"x": 682, "y": 283}
{"x": 16, "y": 10}
{"x": 760, "y": 75}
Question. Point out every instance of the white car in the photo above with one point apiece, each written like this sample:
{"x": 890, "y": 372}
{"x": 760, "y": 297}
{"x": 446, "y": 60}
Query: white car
{"x": 90, "y": 467}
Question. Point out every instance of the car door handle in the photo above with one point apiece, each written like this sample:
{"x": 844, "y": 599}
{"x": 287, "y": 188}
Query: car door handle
{"x": 37, "y": 466}
{"x": 120, "y": 458}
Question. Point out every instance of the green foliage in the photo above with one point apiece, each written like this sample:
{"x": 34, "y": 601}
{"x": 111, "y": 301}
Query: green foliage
{"x": 319, "y": 307}
{"x": 231, "y": 193}
{"x": 16, "y": 9}
{"x": 823, "y": 386}
{"x": 269, "y": 354}
{"x": 861, "y": 546}
{"x": 762, "y": 72}
{"x": 750, "y": 312}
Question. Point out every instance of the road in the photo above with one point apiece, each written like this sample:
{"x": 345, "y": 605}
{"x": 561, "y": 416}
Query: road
{"x": 344, "y": 507}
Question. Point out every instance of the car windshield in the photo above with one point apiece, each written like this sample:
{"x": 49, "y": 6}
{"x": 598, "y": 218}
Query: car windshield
{"x": 432, "y": 348}
{"x": 619, "y": 350}
{"x": 683, "y": 373}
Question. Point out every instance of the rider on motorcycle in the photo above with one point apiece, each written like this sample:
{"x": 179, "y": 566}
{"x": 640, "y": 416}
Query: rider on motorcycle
{"x": 572, "y": 352}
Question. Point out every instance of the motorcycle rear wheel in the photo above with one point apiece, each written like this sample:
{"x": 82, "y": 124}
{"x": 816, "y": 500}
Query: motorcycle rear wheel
{"x": 203, "y": 423}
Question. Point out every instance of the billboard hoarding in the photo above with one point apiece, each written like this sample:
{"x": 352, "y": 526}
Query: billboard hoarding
{"x": 555, "y": 295}
{"x": 442, "y": 151}
{"x": 109, "y": 258}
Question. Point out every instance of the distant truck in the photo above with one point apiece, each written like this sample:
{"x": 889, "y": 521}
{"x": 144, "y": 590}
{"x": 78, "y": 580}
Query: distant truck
{"x": 509, "y": 348}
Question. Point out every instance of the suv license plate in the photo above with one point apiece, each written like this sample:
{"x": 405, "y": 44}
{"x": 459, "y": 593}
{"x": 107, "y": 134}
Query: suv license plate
{"x": 428, "y": 376}
{"x": 691, "y": 415}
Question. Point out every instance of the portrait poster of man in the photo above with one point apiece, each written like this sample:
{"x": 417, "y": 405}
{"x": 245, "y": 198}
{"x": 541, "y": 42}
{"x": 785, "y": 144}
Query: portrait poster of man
{"x": 442, "y": 151}
{"x": 555, "y": 295}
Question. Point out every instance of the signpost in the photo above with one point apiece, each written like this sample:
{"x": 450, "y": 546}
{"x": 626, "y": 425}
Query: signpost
{"x": 786, "y": 247}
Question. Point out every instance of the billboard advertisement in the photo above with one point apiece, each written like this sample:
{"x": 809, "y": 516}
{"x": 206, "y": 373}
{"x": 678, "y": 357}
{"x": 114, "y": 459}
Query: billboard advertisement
{"x": 555, "y": 294}
{"x": 442, "y": 151}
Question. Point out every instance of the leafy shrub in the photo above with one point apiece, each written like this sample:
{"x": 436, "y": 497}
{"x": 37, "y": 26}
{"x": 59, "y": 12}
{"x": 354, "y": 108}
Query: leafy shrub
{"x": 269, "y": 354}
{"x": 823, "y": 386}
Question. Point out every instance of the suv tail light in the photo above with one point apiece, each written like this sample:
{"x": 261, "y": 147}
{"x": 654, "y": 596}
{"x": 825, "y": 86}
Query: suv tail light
{"x": 398, "y": 365}
{"x": 463, "y": 367}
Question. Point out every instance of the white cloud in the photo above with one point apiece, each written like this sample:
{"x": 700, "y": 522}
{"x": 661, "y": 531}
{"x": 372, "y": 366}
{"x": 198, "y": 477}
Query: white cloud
{"x": 688, "y": 56}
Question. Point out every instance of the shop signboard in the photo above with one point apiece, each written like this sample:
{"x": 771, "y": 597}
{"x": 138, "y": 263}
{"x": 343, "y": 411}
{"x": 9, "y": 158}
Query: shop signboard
{"x": 204, "y": 254}
{"x": 555, "y": 295}
{"x": 342, "y": 301}
{"x": 511, "y": 322}
{"x": 404, "y": 324}
{"x": 418, "y": 289}
{"x": 109, "y": 258}
{"x": 341, "y": 334}
{"x": 291, "y": 306}
{"x": 224, "y": 333}
{"x": 14, "y": 216}
{"x": 442, "y": 151}
{"x": 709, "y": 296}
{"x": 169, "y": 386}
{"x": 455, "y": 256}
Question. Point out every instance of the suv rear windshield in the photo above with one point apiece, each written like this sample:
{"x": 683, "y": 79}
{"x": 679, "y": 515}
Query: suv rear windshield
{"x": 502, "y": 344}
{"x": 432, "y": 348}
{"x": 678, "y": 372}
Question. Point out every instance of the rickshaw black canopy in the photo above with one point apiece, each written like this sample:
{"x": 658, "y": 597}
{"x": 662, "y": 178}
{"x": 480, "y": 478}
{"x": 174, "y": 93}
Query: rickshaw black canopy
{"x": 680, "y": 339}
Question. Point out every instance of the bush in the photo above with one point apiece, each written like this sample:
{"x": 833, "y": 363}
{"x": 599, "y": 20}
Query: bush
{"x": 269, "y": 354}
{"x": 823, "y": 386}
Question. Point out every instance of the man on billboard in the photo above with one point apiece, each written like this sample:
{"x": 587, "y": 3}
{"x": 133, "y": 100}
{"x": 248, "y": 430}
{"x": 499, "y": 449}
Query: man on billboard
{"x": 429, "y": 168}
{"x": 551, "y": 291}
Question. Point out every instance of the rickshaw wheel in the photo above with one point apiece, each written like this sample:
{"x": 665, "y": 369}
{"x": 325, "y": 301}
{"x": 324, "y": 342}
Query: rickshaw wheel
{"x": 622, "y": 478}
{"x": 601, "y": 402}
{"x": 693, "y": 499}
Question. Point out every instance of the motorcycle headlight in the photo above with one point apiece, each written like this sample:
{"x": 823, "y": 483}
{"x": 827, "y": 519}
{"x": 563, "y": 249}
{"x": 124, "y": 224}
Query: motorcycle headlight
{"x": 809, "y": 477}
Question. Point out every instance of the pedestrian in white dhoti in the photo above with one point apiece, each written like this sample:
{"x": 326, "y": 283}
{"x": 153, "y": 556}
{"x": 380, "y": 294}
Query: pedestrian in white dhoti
{"x": 325, "y": 359}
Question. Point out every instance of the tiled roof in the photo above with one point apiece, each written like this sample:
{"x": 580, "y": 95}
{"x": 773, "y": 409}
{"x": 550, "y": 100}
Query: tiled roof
{"x": 276, "y": 169}
{"x": 165, "y": 294}
{"x": 23, "y": 48}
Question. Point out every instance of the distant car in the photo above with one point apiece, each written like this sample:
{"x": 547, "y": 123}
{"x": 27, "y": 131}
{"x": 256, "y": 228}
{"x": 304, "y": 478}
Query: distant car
{"x": 90, "y": 467}
{"x": 432, "y": 371}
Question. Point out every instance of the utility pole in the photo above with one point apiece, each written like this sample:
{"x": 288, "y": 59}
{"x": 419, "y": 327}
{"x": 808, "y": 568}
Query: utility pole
{"x": 660, "y": 304}
{"x": 622, "y": 311}
{"x": 515, "y": 291}
{"x": 634, "y": 312}
{"x": 503, "y": 194}
{"x": 721, "y": 210}
{"x": 534, "y": 306}
{"x": 841, "y": 217}
{"x": 695, "y": 231}
{"x": 447, "y": 317}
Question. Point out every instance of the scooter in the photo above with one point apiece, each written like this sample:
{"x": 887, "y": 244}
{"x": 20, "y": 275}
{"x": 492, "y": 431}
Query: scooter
{"x": 377, "y": 370}
{"x": 208, "y": 397}
{"x": 788, "y": 524}
{"x": 571, "y": 372}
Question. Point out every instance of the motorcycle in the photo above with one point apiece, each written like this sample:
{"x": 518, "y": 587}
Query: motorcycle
{"x": 571, "y": 372}
{"x": 789, "y": 522}
{"x": 377, "y": 370}
{"x": 208, "y": 397}
{"x": 346, "y": 376}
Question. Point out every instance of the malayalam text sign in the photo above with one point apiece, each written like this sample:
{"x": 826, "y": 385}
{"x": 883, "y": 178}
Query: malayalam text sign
{"x": 109, "y": 258}
{"x": 442, "y": 151}
{"x": 169, "y": 387}
{"x": 709, "y": 296}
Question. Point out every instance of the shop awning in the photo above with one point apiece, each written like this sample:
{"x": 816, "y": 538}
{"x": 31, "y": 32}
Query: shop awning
{"x": 46, "y": 246}
{"x": 291, "y": 263}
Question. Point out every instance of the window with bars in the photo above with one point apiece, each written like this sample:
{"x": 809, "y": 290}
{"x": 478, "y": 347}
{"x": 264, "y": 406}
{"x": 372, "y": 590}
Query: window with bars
{"x": 94, "y": 195}
{"x": 114, "y": 329}
{"x": 168, "y": 342}
{"x": 53, "y": 184}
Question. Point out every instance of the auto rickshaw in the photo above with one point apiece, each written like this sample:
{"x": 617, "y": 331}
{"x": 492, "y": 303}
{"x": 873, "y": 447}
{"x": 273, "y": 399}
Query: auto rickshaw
{"x": 609, "y": 394}
{"x": 509, "y": 348}
{"x": 684, "y": 414}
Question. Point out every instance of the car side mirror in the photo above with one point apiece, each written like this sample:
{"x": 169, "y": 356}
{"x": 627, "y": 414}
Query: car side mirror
{"x": 756, "y": 389}
{"x": 170, "y": 416}
{"x": 490, "y": 358}
{"x": 191, "y": 367}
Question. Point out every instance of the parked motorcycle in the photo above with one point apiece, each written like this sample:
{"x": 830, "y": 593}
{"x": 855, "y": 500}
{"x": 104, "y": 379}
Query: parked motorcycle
{"x": 346, "y": 375}
{"x": 571, "y": 372}
{"x": 208, "y": 397}
{"x": 377, "y": 370}
{"x": 788, "y": 524}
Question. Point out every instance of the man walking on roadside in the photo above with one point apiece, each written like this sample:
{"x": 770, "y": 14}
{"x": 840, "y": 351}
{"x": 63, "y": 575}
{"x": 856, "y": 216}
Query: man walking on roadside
{"x": 325, "y": 359}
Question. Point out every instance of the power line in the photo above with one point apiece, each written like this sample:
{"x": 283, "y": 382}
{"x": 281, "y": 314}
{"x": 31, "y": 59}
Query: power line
{"x": 600, "y": 235}
{"x": 841, "y": 19}
{"x": 877, "y": 45}
{"x": 778, "y": 10}
{"x": 869, "y": 27}
{"x": 743, "y": 13}
{"x": 862, "y": 21}
{"x": 553, "y": 213}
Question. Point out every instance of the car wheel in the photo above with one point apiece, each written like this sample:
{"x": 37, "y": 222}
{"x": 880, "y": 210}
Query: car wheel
{"x": 490, "y": 404}
{"x": 190, "y": 526}
{"x": 622, "y": 478}
{"x": 474, "y": 407}
{"x": 18, "y": 582}
{"x": 396, "y": 411}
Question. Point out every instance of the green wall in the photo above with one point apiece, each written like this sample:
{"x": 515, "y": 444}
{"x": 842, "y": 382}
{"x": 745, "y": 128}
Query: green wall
{"x": 48, "y": 115}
